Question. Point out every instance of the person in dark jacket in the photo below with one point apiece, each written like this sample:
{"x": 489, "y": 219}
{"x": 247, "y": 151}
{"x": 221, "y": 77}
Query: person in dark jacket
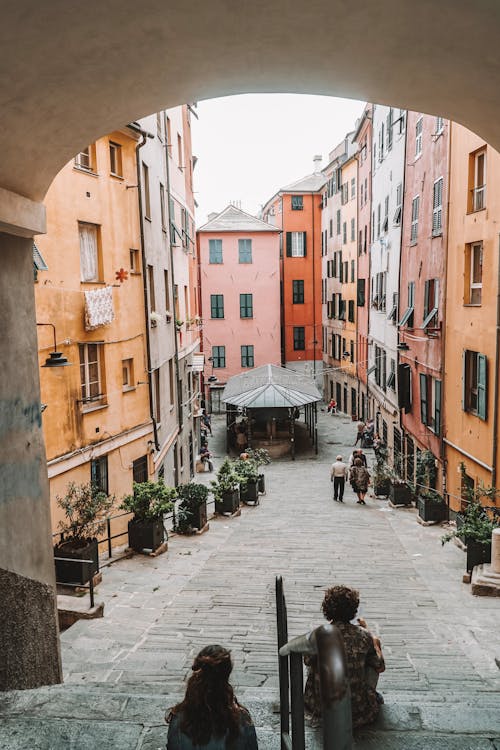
{"x": 210, "y": 717}
{"x": 360, "y": 479}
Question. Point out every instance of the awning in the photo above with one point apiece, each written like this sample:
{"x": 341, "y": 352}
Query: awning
{"x": 270, "y": 386}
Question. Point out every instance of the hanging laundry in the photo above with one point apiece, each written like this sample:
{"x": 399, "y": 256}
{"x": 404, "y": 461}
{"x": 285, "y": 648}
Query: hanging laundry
{"x": 98, "y": 308}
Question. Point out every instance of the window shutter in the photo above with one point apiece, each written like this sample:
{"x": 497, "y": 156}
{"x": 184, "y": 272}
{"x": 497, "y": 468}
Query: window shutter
{"x": 289, "y": 244}
{"x": 437, "y": 407}
{"x": 464, "y": 380}
{"x": 404, "y": 387}
{"x": 361, "y": 293}
{"x": 305, "y": 237}
{"x": 426, "y": 301}
{"x": 481, "y": 386}
{"x": 423, "y": 399}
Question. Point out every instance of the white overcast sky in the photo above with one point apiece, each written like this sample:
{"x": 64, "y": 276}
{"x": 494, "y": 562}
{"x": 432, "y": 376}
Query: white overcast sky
{"x": 249, "y": 146}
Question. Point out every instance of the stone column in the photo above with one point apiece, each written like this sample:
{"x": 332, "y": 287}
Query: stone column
{"x": 29, "y": 643}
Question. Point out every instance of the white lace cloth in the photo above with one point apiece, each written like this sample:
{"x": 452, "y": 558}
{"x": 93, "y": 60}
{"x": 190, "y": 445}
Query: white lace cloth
{"x": 98, "y": 308}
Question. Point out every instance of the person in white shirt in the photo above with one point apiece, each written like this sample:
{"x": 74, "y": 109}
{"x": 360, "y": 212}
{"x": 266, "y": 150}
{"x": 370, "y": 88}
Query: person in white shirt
{"x": 338, "y": 475}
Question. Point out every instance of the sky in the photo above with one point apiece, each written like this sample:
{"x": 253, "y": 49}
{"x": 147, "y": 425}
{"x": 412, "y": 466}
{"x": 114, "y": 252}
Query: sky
{"x": 251, "y": 145}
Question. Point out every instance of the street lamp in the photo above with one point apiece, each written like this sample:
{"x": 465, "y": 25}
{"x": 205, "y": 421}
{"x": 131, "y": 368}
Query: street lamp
{"x": 55, "y": 358}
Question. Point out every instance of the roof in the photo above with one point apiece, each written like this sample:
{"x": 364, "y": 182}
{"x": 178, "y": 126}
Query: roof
{"x": 270, "y": 386}
{"x": 309, "y": 184}
{"x": 233, "y": 219}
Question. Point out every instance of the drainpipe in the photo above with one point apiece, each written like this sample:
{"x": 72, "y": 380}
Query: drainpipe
{"x": 400, "y": 264}
{"x": 314, "y": 292}
{"x": 495, "y": 393}
{"x": 172, "y": 285}
{"x": 144, "y": 136}
{"x": 442, "y": 454}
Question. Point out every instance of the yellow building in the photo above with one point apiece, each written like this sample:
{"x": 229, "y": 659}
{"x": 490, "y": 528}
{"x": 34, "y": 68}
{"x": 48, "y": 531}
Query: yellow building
{"x": 349, "y": 216}
{"x": 96, "y": 416}
{"x": 472, "y": 316}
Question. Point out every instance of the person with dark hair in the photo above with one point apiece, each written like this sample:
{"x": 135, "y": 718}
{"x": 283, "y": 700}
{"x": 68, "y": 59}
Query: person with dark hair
{"x": 210, "y": 716}
{"x": 364, "y": 658}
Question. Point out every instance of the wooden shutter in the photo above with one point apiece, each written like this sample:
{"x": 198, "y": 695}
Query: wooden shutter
{"x": 404, "y": 387}
{"x": 423, "y": 399}
{"x": 426, "y": 300}
{"x": 482, "y": 391}
{"x": 305, "y": 238}
{"x": 361, "y": 293}
{"x": 437, "y": 407}
{"x": 289, "y": 244}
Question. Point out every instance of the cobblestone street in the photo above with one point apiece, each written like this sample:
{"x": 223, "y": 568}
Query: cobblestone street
{"x": 440, "y": 643}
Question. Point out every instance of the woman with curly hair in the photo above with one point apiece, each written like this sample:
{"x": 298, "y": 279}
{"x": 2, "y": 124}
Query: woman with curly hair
{"x": 210, "y": 717}
{"x": 364, "y": 659}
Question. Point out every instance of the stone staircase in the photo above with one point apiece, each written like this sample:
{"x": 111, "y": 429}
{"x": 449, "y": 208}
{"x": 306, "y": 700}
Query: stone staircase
{"x": 131, "y": 717}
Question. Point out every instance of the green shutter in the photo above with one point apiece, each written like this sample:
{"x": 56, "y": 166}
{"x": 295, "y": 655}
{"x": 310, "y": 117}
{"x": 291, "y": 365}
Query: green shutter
{"x": 289, "y": 244}
{"x": 305, "y": 238}
{"x": 437, "y": 407}
{"x": 482, "y": 392}
{"x": 423, "y": 399}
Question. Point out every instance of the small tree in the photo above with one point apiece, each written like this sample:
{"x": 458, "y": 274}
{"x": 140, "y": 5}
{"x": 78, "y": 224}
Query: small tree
{"x": 85, "y": 508}
{"x": 226, "y": 482}
{"x": 149, "y": 501}
{"x": 246, "y": 471}
{"x": 192, "y": 496}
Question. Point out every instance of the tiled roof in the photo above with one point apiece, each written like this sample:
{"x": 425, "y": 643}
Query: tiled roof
{"x": 233, "y": 219}
{"x": 308, "y": 184}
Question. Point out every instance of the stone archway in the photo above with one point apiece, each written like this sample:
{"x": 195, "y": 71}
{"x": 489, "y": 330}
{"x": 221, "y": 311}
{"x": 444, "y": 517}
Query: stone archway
{"x": 68, "y": 77}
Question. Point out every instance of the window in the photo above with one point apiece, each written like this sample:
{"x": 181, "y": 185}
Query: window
{"x": 391, "y": 380}
{"x": 169, "y": 136}
{"x": 159, "y": 129}
{"x": 171, "y": 382}
{"x": 298, "y": 291}
{"x": 156, "y": 394}
{"x": 474, "y": 378}
{"x": 353, "y": 230}
{"x": 299, "y": 343}
{"x": 86, "y": 159}
{"x": 247, "y": 355}
{"x": 91, "y": 378}
{"x": 128, "y": 382}
{"x": 414, "y": 220}
{"x": 135, "y": 266}
{"x": 350, "y": 313}
{"x": 166, "y": 282}
{"x": 431, "y": 302}
{"x": 180, "y": 155}
{"x": 115, "y": 159}
{"x": 344, "y": 233}
{"x": 338, "y": 221}
{"x": 215, "y": 251}
{"x": 360, "y": 292}
{"x": 353, "y": 187}
{"x": 89, "y": 252}
{"x": 244, "y": 251}
{"x": 162, "y": 208}
{"x": 331, "y": 228}
{"x": 378, "y": 290}
{"x": 140, "y": 470}
{"x": 297, "y": 202}
{"x": 474, "y": 273}
{"x": 439, "y": 125}
{"x": 390, "y": 117}
{"x": 437, "y": 208}
{"x": 216, "y": 305}
{"x": 151, "y": 288}
{"x": 296, "y": 244}
{"x": 145, "y": 185}
{"x": 218, "y": 356}
{"x": 342, "y": 306}
{"x": 378, "y": 220}
{"x": 246, "y": 305}
{"x": 385, "y": 223}
{"x": 418, "y": 136}
{"x": 345, "y": 193}
{"x": 478, "y": 180}
{"x": 353, "y": 271}
{"x": 430, "y": 402}
{"x": 393, "y": 313}
{"x": 99, "y": 474}
{"x": 407, "y": 318}
{"x": 381, "y": 143}
{"x": 399, "y": 205}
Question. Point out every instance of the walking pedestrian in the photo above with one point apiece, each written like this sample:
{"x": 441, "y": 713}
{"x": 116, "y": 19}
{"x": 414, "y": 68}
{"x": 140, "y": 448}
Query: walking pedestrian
{"x": 358, "y": 453}
{"x": 338, "y": 475}
{"x": 205, "y": 418}
{"x": 359, "y": 436}
{"x": 360, "y": 479}
{"x": 332, "y": 406}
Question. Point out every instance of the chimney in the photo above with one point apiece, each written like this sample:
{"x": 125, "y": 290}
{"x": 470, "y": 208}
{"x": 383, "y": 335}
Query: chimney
{"x": 317, "y": 163}
{"x": 212, "y": 215}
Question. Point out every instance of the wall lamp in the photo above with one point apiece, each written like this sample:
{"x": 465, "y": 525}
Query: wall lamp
{"x": 55, "y": 358}
{"x": 403, "y": 346}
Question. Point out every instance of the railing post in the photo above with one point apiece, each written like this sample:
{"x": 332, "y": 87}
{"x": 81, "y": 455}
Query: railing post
{"x": 108, "y": 526}
{"x": 297, "y": 701}
{"x": 281, "y": 623}
{"x": 91, "y": 591}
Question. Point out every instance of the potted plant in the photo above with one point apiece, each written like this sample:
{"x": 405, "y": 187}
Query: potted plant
{"x": 192, "y": 510}
{"x": 248, "y": 476}
{"x": 475, "y": 531}
{"x": 382, "y": 473}
{"x": 85, "y": 508}
{"x": 261, "y": 457}
{"x": 178, "y": 324}
{"x": 431, "y": 505}
{"x": 149, "y": 502}
{"x": 225, "y": 489}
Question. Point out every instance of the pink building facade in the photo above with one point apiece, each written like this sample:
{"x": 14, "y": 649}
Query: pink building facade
{"x": 239, "y": 258}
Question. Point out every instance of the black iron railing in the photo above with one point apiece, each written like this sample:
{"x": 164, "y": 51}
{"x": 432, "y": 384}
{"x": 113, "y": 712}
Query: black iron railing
{"x": 90, "y": 585}
{"x": 326, "y": 643}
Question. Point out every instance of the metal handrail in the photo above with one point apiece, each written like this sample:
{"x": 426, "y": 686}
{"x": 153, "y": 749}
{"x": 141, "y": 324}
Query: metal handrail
{"x": 327, "y": 644}
{"x": 90, "y": 586}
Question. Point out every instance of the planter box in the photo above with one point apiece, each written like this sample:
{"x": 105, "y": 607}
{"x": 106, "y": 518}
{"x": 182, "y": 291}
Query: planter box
{"x": 197, "y": 517}
{"x": 251, "y": 492}
{"x": 262, "y": 484}
{"x": 400, "y": 494}
{"x": 145, "y": 535}
{"x": 70, "y": 571}
{"x": 382, "y": 487}
{"x": 230, "y": 502}
{"x": 430, "y": 510}
{"x": 477, "y": 553}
